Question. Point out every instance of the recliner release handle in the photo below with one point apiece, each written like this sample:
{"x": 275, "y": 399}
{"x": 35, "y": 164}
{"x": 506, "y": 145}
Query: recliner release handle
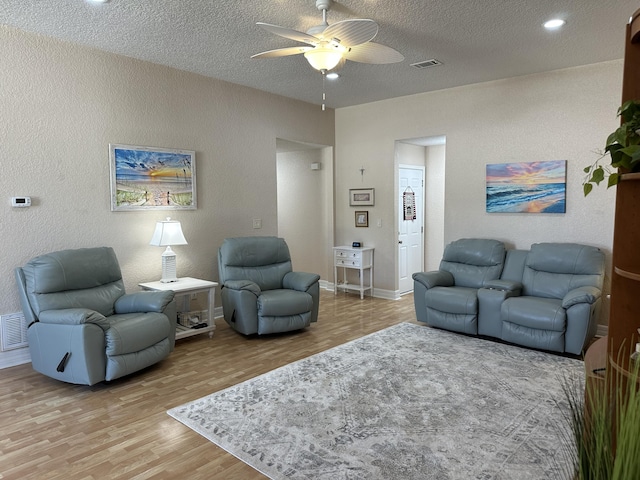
{"x": 63, "y": 362}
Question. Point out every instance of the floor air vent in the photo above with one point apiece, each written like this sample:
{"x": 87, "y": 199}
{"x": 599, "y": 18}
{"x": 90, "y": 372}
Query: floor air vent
{"x": 14, "y": 331}
{"x": 426, "y": 63}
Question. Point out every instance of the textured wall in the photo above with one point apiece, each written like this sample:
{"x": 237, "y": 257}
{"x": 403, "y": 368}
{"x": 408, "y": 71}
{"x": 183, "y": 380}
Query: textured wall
{"x": 434, "y": 197}
{"x": 560, "y": 115}
{"x": 305, "y": 209}
{"x": 60, "y": 107}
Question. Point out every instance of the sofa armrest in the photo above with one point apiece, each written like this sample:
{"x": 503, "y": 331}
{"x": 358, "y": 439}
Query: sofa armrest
{"x": 503, "y": 285}
{"x": 581, "y": 295}
{"x": 300, "y": 281}
{"x": 143, "y": 302}
{"x": 74, "y": 316}
{"x": 437, "y": 278}
{"x": 243, "y": 285}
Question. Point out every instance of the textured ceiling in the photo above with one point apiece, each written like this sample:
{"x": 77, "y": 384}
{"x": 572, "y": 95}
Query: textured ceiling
{"x": 476, "y": 40}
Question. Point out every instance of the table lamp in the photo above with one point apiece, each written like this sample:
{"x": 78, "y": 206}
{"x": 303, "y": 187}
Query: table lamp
{"x": 168, "y": 232}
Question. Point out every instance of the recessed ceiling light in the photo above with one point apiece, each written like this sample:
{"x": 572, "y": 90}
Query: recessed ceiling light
{"x": 97, "y": 1}
{"x": 554, "y": 24}
{"x": 333, "y": 75}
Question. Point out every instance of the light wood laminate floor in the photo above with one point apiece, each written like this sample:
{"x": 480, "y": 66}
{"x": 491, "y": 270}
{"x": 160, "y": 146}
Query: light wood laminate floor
{"x": 120, "y": 430}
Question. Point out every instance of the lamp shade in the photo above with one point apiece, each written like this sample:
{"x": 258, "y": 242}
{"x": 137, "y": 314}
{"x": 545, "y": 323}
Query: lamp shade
{"x": 168, "y": 232}
{"x": 323, "y": 58}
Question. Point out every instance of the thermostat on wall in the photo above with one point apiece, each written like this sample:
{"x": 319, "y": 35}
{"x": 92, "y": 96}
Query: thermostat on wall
{"x": 21, "y": 201}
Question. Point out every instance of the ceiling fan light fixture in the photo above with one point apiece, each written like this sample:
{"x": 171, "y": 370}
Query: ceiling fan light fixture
{"x": 554, "y": 24}
{"x": 323, "y": 58}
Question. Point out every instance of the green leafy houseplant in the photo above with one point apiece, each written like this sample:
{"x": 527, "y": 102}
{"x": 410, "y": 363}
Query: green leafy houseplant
{"x": 623, "y": 146}
{"x": 604, "y": 420}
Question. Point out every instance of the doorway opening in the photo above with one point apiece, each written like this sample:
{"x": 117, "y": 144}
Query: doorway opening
{"x": 304, "y": 174}
{"x": 420, "y": 171}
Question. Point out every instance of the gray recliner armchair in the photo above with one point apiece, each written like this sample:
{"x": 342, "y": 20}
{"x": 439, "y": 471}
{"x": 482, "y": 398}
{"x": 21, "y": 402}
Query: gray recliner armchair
{"x": 83, "y": 327}
{"x": 448, "y": 298}
{"x": 260, "y": 292}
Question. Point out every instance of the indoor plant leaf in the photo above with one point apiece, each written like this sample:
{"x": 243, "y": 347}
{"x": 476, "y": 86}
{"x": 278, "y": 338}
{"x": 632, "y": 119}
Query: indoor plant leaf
{"x": 623, "y": 147}
{"x": 587, "y": 187}
{"x": 597, "y": 176}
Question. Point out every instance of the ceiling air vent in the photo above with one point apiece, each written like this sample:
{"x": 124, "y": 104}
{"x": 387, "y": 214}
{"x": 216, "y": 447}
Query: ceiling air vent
{"x": 427, "y": 63}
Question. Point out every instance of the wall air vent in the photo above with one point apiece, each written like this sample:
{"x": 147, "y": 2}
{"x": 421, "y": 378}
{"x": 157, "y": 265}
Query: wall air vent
{"x": 13, "y": 331}
{"x": 426, "y": 63}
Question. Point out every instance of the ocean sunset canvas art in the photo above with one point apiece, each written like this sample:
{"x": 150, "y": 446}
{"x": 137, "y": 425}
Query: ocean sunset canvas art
{"x": 532, "y": 187}
{"x": 152, "y": 178}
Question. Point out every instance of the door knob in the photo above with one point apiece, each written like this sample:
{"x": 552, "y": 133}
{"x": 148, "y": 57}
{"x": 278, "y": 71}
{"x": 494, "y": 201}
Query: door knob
{"x": 400, "y": 241}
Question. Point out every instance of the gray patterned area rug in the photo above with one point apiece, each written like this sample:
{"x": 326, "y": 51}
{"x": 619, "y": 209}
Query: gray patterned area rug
{"x": 408, "y": 402}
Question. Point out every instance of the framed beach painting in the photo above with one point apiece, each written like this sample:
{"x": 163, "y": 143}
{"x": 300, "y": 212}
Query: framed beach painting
{"x": 533, "y": 187}
{"x": 152, "y": 178}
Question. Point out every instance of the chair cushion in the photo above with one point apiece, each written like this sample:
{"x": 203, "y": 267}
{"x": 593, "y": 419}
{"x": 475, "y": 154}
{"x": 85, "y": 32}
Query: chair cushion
{"x": 553, "y": 269}
{"x": 72, "y": 270}
{"x": 278, "y": 303}
{"x": 133, "y": 332}
{"x": 263, "y": 260}
{"x": 81, "y": 278}
{"x": 472, "y": 261}
{"x": 285, "y": 323}
{"x": 536, "y": 313}
{"x": 453, "y": 299}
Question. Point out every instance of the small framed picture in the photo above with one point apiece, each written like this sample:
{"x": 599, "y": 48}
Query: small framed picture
{"x": 361, "y": 196}
{"x": 362, "y": 218}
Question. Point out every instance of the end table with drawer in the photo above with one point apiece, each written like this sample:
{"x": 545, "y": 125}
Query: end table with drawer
{"x": 360, "y": 259}
{"x": 189, "y": 322}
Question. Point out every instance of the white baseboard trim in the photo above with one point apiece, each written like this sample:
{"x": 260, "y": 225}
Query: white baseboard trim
{"x": 377, "y": 292}
{"x": 603, "y": 331}
{"x": 386, "y": 294}
{"x": 11, "y": 358}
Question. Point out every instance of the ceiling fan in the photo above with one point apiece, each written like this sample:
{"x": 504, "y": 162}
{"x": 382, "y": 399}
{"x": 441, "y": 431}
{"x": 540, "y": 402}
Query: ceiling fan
{"x": 329, "y": 46}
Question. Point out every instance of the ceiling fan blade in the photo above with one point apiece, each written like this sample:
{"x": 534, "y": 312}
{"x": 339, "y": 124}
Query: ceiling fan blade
{"x": 375, "y": 53}
{"x": 289, "y": 33}
{"x": 282, "y": 52}
{"x": 351, "y": 32}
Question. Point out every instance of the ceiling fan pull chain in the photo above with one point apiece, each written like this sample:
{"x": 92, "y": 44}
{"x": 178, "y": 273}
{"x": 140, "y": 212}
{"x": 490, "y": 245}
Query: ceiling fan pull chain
{"x": 324, "y": 97}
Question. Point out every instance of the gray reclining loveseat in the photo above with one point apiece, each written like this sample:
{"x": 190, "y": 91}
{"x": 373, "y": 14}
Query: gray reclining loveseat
{"x": 546, "y": 298}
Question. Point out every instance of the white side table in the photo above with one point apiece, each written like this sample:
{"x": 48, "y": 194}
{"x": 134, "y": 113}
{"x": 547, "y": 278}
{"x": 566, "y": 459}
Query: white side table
{"x": 357, "y": 258}
{"x": 185, "y": 287}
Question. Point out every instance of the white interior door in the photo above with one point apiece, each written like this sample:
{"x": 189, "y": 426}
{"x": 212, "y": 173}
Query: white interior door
{"x": 410, "y": 232}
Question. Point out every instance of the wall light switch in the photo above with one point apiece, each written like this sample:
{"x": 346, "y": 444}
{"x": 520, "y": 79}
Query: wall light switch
{"x": 379, "y": 222}
{"x": 257, "y": 223}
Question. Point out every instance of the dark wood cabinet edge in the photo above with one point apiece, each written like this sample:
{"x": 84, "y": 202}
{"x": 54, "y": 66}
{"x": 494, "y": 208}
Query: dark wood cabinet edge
{"x": 629, "y": 176}
{"x": 627, "y": 274}
{"x": 635, "y": 27}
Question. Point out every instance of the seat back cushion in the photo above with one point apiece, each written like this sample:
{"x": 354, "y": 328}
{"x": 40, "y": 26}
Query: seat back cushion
{"x": 80, "y": 278}
{"x": 553, "y": 269}
{"x": 263, "y": 260}
{"x": 472, "y": 261}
